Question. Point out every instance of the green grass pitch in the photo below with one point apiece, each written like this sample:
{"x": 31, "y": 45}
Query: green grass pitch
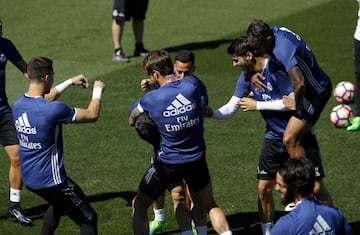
{"x": 107, "y": 159}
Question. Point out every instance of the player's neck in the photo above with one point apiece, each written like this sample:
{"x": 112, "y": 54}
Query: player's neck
{"x": 260, "y": 64}
{"x": 35, "y": 91}
{"x": 167, "y": 79}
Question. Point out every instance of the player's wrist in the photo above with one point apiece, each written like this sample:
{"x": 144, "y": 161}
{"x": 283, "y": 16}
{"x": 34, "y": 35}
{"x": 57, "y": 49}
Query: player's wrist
{"x": 63, "y": 86}
{"x": 97, "y": 92}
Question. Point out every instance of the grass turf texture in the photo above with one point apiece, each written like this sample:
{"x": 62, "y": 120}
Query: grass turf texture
{"x": 107, "y": 159}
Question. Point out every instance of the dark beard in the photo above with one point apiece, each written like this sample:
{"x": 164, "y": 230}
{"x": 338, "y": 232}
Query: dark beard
{"x": 288, "y": 197}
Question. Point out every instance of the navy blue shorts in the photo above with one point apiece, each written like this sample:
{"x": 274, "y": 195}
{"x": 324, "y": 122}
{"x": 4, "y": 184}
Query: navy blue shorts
{"x": 8, "y": 135}
{"x": 124, "y": 10}
{"x": 273, "y": 155}
{"x": 161, "y": 177}
{"x": 313, "y": 105}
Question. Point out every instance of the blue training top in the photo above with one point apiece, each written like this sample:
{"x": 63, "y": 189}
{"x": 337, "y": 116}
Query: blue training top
{"x": 312, "y": 217}
{"x": 291, "y": 50}
{"x": 38, "y": 124}
{"x": 278, "y": 84}
{"x": 176, "y": 108}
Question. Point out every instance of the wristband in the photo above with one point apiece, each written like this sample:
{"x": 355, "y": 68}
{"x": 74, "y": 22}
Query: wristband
{"x": 97, "y": 92}
{"x": 63, "y": 86}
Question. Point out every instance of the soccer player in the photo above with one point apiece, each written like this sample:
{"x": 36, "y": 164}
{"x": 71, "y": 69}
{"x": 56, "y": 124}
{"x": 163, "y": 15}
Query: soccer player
{"x": 295, "y": 181}
{"x": 355, "y": 123}
{"x": 176, "y": 109}
{"x": 311, "y": 85}
{"x": 38, "y": 124}
{"x": 275, "y": 106}
{"x": 184, "y": 66}
{"x": 8, "y": 136}
{"x": 124, "y": 10}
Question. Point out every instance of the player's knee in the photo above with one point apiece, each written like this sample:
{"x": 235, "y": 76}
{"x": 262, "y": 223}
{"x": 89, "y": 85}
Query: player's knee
{"x": 265, "y": 191}
{"x": 288, "y": 139}
{"x": 15, "y": 160}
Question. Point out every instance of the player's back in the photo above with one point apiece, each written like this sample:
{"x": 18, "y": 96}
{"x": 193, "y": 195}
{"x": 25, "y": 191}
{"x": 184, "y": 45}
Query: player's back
{"x": 176, "y": 109}
{"x": 38, "y": 125}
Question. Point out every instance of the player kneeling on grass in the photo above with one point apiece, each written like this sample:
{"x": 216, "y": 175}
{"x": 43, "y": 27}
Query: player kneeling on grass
{"x": 39, "y": 127}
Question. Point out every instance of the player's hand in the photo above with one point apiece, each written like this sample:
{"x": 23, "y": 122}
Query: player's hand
{"x": 148, "y": 85}
{"x": 257, "y": 79}
{"x": 207, "y": 111}
{"x": 247, "y": 104}
{"x": 80, "y": 80}
{"x": 100, "y": 84}
{"x": 289, "y": 102}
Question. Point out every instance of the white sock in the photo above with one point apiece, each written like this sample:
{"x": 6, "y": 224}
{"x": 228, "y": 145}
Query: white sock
{"x": 187, "y": 232}
{"x": 159, "y": 214}
{"x": 15, "y": 195}
{"x": 227, "y": 233}
{"x": 201, "y": 230}
{"x": 266, "y": 228}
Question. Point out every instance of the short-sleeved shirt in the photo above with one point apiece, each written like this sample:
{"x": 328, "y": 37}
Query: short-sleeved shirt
{"x": 38, "y": 123}
{"x": 278, "y": 84}
{"x": 8, "y": 51}
{"x": 176, "y": 108}
{"x": 311, "y": 217}
{"x": 291, "y": 50}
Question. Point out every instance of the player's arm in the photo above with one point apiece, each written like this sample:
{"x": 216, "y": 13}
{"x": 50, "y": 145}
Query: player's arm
{"x": 92, "y": 112}
{"x": 228, "y": 110}
{"x": 56, "y": 91}
{"x": 134, "y": 114}
{"x": 22, "y": 66}
{"x": 285, "y": 104}
{"x": 297, "y": 79}
{"x": 257, "y": 79}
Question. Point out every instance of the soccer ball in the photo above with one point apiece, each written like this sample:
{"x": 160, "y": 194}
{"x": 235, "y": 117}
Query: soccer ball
{"x": 341, "y": 115}
{"x": 344, "y": 92}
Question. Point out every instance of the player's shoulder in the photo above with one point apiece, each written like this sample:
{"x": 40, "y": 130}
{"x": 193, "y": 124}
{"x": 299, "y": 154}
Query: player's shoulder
{"x": 4, "y": 42}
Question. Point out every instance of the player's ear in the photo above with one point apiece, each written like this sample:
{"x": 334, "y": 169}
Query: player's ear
{"x": 46, "y": 78}
{"x": 249, "y": 55}
{"x": 156, "y": 74}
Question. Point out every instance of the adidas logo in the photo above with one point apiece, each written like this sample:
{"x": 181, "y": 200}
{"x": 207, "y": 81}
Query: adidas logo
{"x": 22, "y": 125}
{"x": 178, "y": 106}
{"x": 321, "y": 227}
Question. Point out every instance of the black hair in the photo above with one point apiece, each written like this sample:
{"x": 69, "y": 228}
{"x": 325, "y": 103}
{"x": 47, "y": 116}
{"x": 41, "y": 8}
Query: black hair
{"x": 299, "y": 176}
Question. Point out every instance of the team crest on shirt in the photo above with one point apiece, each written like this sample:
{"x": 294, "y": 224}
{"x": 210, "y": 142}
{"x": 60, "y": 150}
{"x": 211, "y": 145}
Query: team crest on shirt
{"x": 3, "y": 58}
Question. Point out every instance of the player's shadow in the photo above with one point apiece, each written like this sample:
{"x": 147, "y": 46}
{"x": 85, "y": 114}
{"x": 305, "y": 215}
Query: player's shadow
{"x": 38, "y": 212}
{"x": 198, "y": 45}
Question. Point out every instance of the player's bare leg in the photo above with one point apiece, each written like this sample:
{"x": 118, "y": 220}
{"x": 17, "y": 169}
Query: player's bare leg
{"x": 204, "y": 202}
{"x": 140, "y": 206}
{"x": 295, "y": 129}
{"x": 182, "y": 212}
{"x": 15, "y": 185}
{"x": 266, "y": 204}
{"x": 321, "y": 193}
